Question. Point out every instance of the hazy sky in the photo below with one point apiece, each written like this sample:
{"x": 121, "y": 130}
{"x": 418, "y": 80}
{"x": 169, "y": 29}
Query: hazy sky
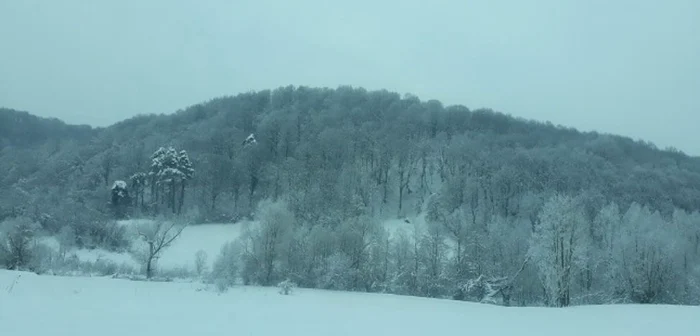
{"x": 629, "y": 67}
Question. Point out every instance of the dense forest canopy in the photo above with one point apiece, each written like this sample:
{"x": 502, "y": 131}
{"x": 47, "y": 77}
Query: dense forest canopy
{"x": 329, "y": 162}
{"x": 313, "y": 144}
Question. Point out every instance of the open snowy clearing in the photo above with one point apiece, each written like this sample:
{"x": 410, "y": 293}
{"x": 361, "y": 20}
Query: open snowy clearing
{"x": 39, "y": 305}
{"x": 209, "y": 238}
{"x": 181, "y": 254}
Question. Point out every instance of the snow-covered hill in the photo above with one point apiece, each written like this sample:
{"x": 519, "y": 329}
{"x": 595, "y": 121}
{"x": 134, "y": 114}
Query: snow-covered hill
{"x": 33, "y": 305}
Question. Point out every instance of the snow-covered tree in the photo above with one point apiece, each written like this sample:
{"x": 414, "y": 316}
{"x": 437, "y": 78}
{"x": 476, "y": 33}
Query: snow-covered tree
{"x": 169, "y": 172}
{"x": 156, "y": 236}
{"x": 558, "y": 247}
{"x": 433, "y": 255}
{"x": 138, "y": 185}
{"x": 264, "y": 246}
{"x": 648, "y": 248}
{"x": 227, "y": 265}
{"x": 17, "y": 242}
{"x": 187, "y": 169}
{"x": 688, "y": 226}
{"x": 405, "y": 263}
{"x": 355, "y": 237}
{"x": 605, "y": 249}
{"x": 120, "y": 198}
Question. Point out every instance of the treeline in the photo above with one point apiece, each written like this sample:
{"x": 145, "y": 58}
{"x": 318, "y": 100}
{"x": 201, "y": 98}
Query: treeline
{"x": 620, "y": 256}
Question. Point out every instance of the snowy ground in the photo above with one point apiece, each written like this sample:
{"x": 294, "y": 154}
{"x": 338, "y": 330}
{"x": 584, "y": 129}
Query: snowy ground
{"x": 181, "y": 254}
{"x": 207, "y": 237}
{"x": 33, "y": 305}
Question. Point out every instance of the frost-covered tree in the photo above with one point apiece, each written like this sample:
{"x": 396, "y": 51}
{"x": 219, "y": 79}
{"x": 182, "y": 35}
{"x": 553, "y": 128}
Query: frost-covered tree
{"x": 688, "y": 226}
{"x": 355, "y": 237}
{"x": 605, "y": 249}
{"x": 17, "y": 242}
{"x": 646, "y": 256}
{"x": 433, "y": 255}
{"x": 558, "y": 247}
{"x": 227, "y": 265}
{"x": 377, "y": 271}
{"x": 338, "y": 272}
{"x": 156, "y": 236}
{"x": 66, "y": 240}
{"x": 264, "y": 246}
{"x": 405, "y": 262}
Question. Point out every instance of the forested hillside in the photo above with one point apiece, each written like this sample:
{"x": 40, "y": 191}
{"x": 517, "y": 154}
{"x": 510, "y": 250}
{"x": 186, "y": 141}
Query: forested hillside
{"x": 495, "y": 185}
{"x": 329, "y": 149}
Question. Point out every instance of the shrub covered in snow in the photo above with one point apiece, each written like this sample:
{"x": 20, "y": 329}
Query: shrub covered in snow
{"x": 224, "y": 272}
{"x": 286, "y": 287}
{"x": 17, "y": 243}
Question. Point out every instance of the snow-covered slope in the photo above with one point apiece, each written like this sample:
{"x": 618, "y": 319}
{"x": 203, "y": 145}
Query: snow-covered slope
{"x": 32, "y": 305}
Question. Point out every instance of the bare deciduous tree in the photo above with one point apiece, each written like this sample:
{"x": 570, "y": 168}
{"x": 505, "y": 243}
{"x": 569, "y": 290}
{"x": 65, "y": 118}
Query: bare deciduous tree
{"x": 157, "y": 235}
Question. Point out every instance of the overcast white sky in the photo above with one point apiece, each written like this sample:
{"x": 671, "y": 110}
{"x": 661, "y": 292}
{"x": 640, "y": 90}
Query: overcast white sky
{"x": 629, "y": 67}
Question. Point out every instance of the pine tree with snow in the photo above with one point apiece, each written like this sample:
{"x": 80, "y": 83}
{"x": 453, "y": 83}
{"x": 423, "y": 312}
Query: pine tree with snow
{"x": 185, "y": 166}
{"x": 170, "y": 170}
{"x": 120, "y": 199}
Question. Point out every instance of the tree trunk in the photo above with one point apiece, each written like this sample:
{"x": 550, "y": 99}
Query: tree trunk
{"x": 182, "y": 196}
{"x": 149, "y": 262}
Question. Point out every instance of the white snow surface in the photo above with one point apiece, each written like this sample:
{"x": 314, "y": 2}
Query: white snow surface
{"x": 206, "y": 237}
{"x": 119, "y": 184}
{"x": 33, "y": 305}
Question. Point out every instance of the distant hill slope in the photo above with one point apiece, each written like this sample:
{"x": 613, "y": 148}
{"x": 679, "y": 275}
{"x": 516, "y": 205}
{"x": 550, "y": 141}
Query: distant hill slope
{"x": 334, "y": 151}
{"x": 19, "y": 128}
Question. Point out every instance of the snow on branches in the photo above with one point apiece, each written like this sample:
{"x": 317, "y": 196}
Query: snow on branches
{"x": 167, "y": 177}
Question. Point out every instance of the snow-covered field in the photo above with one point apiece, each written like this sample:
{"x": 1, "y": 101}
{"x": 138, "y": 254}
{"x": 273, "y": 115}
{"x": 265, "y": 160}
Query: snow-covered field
{"x": 181, "y": 254}
{"x": 33, "y": 305}
{"x": 207, "y": 237}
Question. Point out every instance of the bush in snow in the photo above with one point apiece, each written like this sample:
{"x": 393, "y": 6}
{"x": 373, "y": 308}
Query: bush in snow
{"x": 17, "y": 242}
{"x": 286, "y": 287}
{"x": 337, "y": 272}
{"x": 483, "y": 289}
{"x": 224, "y": 272}
{"x": 265, "y": 245}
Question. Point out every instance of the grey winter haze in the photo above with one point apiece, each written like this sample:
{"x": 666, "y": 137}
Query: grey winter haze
{"x": 625, "y": 67}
